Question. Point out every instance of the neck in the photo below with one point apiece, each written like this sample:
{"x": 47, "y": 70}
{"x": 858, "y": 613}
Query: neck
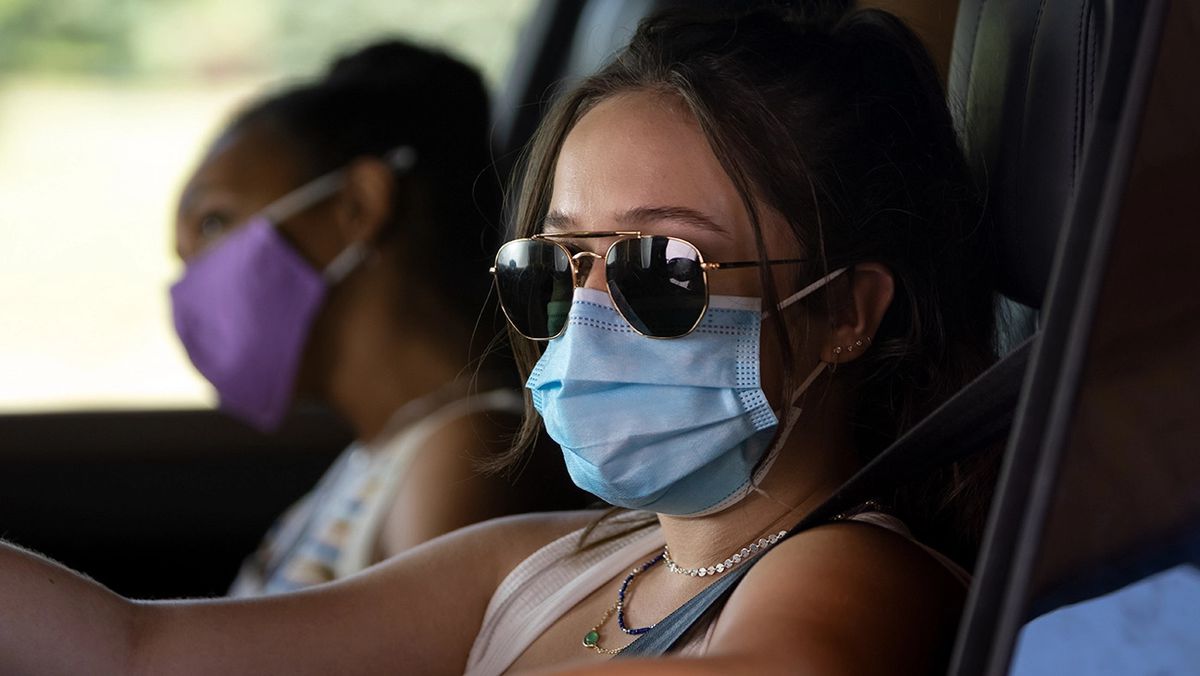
{"x": 369, "y": 384}
{"x": 372, "y": 360}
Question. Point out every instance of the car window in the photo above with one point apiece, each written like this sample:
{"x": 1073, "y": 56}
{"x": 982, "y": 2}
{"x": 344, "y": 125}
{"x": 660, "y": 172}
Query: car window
{"x": 104, "y": 108}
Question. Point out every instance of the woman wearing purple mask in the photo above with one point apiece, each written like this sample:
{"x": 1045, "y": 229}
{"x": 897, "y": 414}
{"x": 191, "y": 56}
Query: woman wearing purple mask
{"x": 746, "y": 257}
{"x": 315, "y": 234}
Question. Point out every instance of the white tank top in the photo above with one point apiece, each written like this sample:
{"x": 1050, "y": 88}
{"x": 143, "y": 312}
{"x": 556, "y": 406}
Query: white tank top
{"x": 555, "y": 578}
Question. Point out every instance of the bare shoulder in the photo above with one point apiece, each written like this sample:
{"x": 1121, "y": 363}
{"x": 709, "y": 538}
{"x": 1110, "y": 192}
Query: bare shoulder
{"x": 847, "y": 598}
{"x": 508, "y": 540}
{"x": 464, "y": 440}
{"x": 443, "y": 488}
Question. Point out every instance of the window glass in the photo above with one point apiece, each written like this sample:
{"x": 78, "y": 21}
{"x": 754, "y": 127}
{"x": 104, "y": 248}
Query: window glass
{"x": 1149, "y": 627}
{"x": 105, "y": 106}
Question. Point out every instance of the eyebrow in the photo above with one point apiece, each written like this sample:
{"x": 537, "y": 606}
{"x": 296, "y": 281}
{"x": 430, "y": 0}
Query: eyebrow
{"x": 682, "y": 215}
{"x": 559, "y": 221}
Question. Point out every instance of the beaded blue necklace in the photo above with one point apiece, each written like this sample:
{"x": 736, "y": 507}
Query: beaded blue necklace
{"x": 633, "y": 631}
{"x": 591, "y": 640}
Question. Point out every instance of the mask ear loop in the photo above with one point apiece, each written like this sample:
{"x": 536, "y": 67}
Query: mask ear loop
{"x": 790, "y": 417}
{"x": 400, "y": 160}
{"x": 799, "y": 295}
{"x": 345, "y": 262}
{"x": 792, "y": 413}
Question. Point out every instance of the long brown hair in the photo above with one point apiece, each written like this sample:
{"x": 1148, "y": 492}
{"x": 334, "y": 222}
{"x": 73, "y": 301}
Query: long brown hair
{"x": 835, "y": 119}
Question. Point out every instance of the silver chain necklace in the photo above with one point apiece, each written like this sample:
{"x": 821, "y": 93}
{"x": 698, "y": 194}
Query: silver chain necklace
{"x": 745, "y": 553}
{"x": 753, "y": 549}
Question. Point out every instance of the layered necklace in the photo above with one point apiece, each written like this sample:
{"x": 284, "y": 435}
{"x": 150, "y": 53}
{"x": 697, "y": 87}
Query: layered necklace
{"x": 591, "y": 640}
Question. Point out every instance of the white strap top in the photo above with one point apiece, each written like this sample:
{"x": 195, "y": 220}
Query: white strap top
{"x": 400, "y": 452}
{"x": 543, "y": 587}
{"x": 331, "y": 532}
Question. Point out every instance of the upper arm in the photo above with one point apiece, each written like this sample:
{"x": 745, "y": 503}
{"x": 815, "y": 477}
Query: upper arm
{"x": 418, "y": 613}
{"x": 842, "y": 599}
{"x": 442, "y": 488}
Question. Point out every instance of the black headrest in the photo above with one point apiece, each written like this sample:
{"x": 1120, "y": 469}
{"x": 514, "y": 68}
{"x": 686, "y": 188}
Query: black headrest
{"x": 1022, "y": 88}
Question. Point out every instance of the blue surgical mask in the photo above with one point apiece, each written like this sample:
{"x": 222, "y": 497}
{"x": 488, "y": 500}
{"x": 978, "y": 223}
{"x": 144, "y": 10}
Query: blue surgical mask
{"x": 678, "y": 426}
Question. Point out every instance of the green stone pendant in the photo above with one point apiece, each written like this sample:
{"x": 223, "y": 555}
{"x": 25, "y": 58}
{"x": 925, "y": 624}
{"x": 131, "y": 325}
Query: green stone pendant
{"x": 590, "y": 639}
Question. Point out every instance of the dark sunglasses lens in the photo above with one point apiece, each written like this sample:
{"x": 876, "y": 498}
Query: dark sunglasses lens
{"x": 533, "y": 279}
{"x": 657, "y": 284}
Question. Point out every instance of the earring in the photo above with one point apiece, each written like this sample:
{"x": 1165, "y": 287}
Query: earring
{"x": 861, "y": 344}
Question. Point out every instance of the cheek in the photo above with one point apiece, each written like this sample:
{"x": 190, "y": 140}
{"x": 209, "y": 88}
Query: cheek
{"x": 315, "y": 236}
{"x": 770, "y": 365}
{"x": 807, "y": 339}
{"x": 736, "y": 282}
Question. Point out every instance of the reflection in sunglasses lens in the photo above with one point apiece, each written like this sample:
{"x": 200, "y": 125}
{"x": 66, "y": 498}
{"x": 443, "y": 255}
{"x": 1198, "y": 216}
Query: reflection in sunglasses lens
{"x": 533, "y": 279}
{"x": 657, "y": 284}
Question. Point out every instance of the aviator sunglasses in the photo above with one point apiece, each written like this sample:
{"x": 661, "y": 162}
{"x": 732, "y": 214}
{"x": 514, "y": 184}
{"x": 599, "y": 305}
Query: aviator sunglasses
{"x": 658, "y": 284}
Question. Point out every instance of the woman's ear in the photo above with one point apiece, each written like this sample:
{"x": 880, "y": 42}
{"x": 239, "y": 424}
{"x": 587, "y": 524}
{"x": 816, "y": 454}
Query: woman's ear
{"x": 365, "y": 200}
{"x": 855, "y": 322}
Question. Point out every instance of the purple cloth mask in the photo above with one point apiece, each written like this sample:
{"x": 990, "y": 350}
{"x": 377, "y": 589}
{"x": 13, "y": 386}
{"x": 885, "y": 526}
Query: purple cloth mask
{"x": 243, "y": 311}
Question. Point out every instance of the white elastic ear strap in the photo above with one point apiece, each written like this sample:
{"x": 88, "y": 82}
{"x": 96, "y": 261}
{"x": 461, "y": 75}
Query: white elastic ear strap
{"x": 305, "y": 196}
{"x": 345, "y": 262}
{"x": 791, "y": 414}
{"x": 399, "y": 159}
{"x": 821, "y": 367}
{"x": 799, "y": 295}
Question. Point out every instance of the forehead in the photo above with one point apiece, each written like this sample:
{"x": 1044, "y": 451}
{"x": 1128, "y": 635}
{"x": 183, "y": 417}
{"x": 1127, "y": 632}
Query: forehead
{"x": 641, "y": 150}
{"x": 245, "y": 161}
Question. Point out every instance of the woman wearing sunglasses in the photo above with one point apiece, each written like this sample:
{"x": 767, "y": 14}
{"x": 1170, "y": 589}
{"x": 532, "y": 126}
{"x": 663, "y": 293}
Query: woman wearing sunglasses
{"x": 747, "y": 258}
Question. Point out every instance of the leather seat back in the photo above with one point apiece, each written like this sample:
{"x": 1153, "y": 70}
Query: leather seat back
{"x": 1022, "y": 86}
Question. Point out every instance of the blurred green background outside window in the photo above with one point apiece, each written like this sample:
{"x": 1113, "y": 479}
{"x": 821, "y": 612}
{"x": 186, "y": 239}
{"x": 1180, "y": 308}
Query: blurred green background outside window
{"x": 105, "y": 105}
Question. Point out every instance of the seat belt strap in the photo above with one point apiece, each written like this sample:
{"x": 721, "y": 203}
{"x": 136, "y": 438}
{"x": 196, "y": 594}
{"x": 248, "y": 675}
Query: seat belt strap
{"x": 976, "y": 417}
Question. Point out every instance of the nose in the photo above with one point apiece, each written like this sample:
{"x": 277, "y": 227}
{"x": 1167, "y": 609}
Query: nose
{"x": 186, "y": 243}
{"x": 589, "y": 271}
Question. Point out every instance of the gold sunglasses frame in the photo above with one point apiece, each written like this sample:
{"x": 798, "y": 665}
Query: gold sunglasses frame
{"x": 579, "y": 277}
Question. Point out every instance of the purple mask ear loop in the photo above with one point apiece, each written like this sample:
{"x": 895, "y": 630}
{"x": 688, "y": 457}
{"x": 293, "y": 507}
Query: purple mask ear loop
{"x": 400, "y": 159}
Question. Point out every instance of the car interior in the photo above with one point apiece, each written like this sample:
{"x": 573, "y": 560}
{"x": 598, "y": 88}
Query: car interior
{"x": 1080, "y": 119}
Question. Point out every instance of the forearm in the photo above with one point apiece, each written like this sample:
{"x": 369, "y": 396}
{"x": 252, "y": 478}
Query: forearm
{"x": 417, "y": 612}
{"x": 55, "y": 621}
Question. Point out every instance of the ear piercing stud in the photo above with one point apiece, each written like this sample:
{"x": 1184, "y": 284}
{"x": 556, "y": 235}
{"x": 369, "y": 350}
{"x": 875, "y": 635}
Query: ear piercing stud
{"x": 861, "y": 343}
